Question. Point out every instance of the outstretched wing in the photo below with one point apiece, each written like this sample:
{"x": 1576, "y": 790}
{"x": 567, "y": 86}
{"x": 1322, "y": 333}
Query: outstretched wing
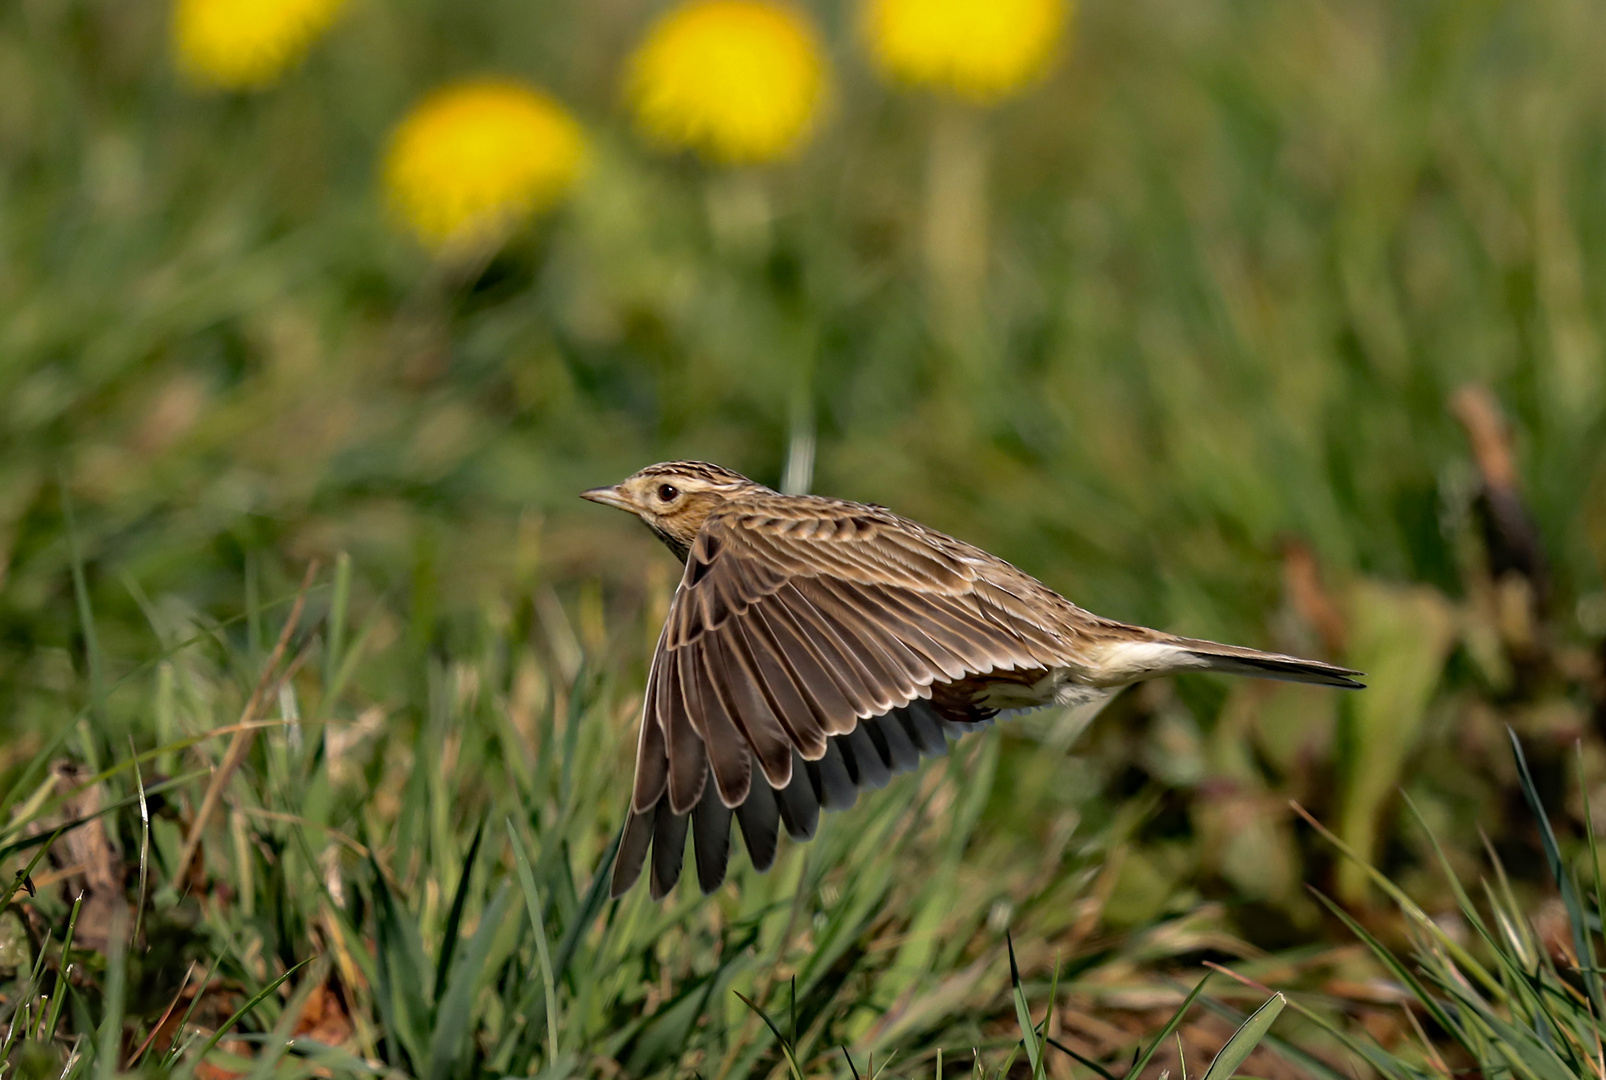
{"x": 794, "y": 666}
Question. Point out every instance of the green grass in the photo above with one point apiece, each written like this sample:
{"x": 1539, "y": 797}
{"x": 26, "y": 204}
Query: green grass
{"x": 437, "y": 852}
{"x": 1504, "y": 991}
{"x": 1240, "y": 256}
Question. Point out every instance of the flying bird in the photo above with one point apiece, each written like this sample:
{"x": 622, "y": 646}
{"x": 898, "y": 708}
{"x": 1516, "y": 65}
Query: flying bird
{"x": 816, "y": 646}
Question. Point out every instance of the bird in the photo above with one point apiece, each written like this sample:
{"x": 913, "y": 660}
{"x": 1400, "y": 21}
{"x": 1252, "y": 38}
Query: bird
{"x": 815, "y": 647}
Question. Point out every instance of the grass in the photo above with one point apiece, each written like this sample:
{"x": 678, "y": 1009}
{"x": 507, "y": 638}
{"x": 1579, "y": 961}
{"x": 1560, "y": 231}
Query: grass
{"x": 1232, "y": 285}
{"x": 1239, "y": 263}
{"x": 355, "y": 913}
{"x": 1505, "y": 992}
{"x": 455, "y": 913}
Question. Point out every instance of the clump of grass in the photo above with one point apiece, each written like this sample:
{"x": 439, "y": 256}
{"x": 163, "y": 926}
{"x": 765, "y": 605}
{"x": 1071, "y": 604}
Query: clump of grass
{"x": 1036, "y": 1043}
{"x": 342, "y": 848}
{"x": 1492, "y": 992}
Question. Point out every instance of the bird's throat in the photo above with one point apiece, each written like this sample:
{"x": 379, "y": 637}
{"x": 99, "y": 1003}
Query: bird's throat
{"x": 681, "y": 548}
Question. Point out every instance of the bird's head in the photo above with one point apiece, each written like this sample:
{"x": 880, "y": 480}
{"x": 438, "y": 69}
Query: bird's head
{"x": 675, "y": 498}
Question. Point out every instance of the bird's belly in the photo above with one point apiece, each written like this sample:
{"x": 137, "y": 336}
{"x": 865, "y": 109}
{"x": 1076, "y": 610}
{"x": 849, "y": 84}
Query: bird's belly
{"x": 1056, "y": 687}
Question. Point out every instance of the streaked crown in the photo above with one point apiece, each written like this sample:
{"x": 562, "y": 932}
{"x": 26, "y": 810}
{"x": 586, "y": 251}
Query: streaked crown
{"x": 705, "y": 471}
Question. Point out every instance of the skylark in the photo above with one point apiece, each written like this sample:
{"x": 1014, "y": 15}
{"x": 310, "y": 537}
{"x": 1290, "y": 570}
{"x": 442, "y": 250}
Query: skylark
{"x": 815, "y": 647}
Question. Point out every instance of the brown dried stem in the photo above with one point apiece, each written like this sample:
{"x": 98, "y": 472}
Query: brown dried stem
{"x": 240, "y": 744}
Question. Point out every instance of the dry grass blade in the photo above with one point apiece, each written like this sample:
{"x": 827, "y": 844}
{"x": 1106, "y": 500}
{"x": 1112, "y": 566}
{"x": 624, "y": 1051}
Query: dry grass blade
{"x": 266, "y": 685}
{"x": 162, "y": 1020}
{"x": 144, "y": 844}
{"x": 241, "y": 1013}
{"x": 178, "y": 1046}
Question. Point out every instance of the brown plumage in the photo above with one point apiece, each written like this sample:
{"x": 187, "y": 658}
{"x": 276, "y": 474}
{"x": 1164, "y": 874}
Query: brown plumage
{"x": 816, "y": 646}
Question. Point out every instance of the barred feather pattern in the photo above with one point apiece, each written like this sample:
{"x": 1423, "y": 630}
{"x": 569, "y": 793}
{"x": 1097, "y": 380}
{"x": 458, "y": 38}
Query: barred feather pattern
{"x": 817, "y": 647}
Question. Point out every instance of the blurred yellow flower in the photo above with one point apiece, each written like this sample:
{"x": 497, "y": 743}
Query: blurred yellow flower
{"x": 738, "y": 81}
{"x": 474, "y": 160}
{"x": 246, "y": 44}
{"x": 982, "y": 50}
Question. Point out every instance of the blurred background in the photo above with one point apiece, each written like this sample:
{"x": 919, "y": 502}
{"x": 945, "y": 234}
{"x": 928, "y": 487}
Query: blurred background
{"x": 1273, "y": 323}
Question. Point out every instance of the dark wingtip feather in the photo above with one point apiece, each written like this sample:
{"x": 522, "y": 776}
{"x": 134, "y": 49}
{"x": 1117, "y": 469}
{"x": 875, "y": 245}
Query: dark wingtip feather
{"x": 799, "y": 805}
{"x": 760, "y": 820}
{"x": 864, "y": 760}
{"x": 901, "y": 753}
{"x": 832, "y": 776}
{"x": 924, "y": 727}
{"x": 711, "y": 840}
{"x": 668, "y": 850}
{"x": 634, "y": 843}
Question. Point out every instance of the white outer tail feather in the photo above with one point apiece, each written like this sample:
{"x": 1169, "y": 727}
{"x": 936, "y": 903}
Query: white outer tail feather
{"x": 1133, "y": 661}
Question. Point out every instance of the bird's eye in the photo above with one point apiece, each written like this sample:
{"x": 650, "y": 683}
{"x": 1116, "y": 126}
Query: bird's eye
{"x": 668, "y": 492}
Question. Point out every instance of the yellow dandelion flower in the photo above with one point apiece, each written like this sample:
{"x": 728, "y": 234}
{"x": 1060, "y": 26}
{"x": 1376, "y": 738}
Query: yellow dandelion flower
{"x": 475, "y": 160}
{"x": 982, "y": 50}
{"x": 246, "y": 44}
{"x": 738, "y": 81}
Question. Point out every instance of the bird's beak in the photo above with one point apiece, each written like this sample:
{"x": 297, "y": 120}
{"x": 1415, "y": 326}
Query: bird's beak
{"x": 608, "y": 496}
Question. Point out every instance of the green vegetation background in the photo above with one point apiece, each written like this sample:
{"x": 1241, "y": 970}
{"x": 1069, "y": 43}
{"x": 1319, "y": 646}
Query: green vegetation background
{"x": 1240, "y": 256}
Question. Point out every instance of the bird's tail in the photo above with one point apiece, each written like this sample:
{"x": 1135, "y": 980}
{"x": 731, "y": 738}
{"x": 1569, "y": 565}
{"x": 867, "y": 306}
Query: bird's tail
{"x": 1236, "y": 660}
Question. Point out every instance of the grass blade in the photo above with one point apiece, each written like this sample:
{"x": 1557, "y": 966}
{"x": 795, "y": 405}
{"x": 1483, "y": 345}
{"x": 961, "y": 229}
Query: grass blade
{"x": 110, "y": 1042}
{"x": 47, "y": 753}
{"x": 1023, "y": 1014}
{"x": 1564, "y": 880}
{"x": 177, "y": 1045}
{"x": 24, "y": 878}
{"x": 400, "y": 966}
{"x": 532, "y": 900}
{"x": 1594, "y": 852}
{"x": 1245, "y": 1039}
{"x": 44, "y": 840}
{"x": 157, "y": 1027}
{"x": 63, "y": 983}
{"x": 86, "y": 618}
{"x": 454, "y": 1014}
{"x": 1079, "y": 1059}
{"x": 279, "y": 1043}
{"x": 596, "y": 895}
{"x": 1171, "y": 1025}
{"x": 52, "y": 802}
{"x": 241, "y": 1013}
{"x": 22, "y": 1019}
{"x": 454, "y": 918}
{"x": 1392, "y": 962}
{"x": 1379, "y": 1059}
{"x": 1411, "y": 909}
{"x": 785, "y": 1044}
{"x": 144, "y": 842}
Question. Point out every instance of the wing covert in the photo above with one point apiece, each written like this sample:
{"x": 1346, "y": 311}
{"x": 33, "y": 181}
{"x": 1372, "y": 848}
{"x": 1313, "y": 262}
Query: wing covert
{"x": 785, "y": 632}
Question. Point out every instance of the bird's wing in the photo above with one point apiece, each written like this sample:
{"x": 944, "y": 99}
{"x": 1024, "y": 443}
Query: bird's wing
{"x": 788, "y": 629}
{"x": 793, "y": 630}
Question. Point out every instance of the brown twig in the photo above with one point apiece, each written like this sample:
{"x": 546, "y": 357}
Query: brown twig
{"x": 1516, "y": 563}
{"x": 1302, "y": 578}
{"x": 240, "y": 744}
{"x": 1475, "y": 407}
{"x": 1244, "y": 979}
{"x": 157, "y": 1030}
